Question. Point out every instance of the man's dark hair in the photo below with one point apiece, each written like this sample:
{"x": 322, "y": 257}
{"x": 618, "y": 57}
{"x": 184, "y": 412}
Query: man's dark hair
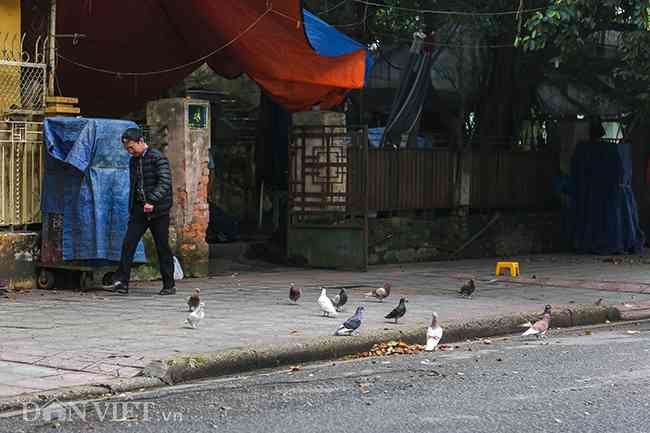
{"x": 132, "y": 134}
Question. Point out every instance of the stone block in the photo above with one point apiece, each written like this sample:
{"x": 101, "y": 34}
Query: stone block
{"x": 405, "y": 256}
{"x": 18, "y": 257}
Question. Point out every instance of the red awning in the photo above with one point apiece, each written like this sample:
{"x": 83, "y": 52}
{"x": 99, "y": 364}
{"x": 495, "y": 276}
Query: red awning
{"x": 134, "y": 50}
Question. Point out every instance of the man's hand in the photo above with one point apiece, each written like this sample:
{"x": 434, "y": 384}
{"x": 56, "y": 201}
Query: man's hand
{"x": 148, "y": 208}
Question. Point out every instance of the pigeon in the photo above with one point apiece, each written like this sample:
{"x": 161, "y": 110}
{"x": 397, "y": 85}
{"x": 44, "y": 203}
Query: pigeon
{"x": 540, "y": 328}
{"x": 294, "y": 293}
{"x": 352, "y": 324}
{"x": 326, "y": 305}
{"x": 195, "y": 317}
{"x": 398, "y": 311}
{"x": 194, "y": 300}
{"x": 468, "y": 288}
{"x": 434, "y": 334}
{"x": 381, "y": 292}
{"x": 340, "y": 300}
{"x": 599, "y": 302}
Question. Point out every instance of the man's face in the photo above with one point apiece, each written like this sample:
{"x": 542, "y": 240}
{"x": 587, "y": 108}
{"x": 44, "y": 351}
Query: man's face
{"x": 135, "y": 148}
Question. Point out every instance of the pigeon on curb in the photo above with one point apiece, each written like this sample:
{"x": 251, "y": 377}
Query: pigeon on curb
{"x": 194, "y": 300}
{"x": 352, "y": 324}
{"x": 195, "y": 317}
{"x": 468, "y": 289}
{"x": 340, "y": 300}
{"x": 294, "y": 293}
{"x": 399, "y": 311}
{"x": 540, "y": 328}
{"x": 326, "y": 305}
{"x": 434, "y": 334}
{"x": 381, "y": 293}
{"x": 599, "y": 302}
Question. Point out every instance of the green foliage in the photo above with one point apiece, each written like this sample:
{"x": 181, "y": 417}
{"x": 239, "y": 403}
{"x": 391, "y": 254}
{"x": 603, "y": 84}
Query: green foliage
{"x": 576, "y": 30}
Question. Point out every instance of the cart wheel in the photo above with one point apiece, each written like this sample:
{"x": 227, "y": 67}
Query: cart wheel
{"x": 45, "y": 279}
{"x": 107, "y": 279}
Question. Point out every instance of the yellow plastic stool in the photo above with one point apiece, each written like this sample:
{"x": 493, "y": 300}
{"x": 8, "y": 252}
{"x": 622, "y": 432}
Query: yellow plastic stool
{"x": 513, "y": 266}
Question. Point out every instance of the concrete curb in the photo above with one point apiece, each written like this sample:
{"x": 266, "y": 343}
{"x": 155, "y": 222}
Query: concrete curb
{"x": 190, "y": 367}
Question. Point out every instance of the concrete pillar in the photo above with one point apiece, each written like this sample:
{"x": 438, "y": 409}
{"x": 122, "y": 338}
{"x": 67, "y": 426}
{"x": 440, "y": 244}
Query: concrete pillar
{"x": 180, "y": 127}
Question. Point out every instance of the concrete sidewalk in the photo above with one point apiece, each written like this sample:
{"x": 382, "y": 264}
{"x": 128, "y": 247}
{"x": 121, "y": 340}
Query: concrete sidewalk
{"x": 55, "y": 339}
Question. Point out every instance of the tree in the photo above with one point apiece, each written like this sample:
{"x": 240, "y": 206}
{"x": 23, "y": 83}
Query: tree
{"x": 606, "y": 43}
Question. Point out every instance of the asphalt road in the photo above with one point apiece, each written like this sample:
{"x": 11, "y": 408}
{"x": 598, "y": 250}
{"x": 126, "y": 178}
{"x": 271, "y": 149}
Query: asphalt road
{"x": 577, "y": 381}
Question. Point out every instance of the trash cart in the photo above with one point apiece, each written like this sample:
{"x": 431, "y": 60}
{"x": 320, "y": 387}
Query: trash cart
{"x": 85, "y": 201}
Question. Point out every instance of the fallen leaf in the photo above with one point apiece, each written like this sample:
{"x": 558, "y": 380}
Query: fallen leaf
{"x": 487, "y": 341}
{"x": 296, "y": 368}
{"x": 364, "y": 388}
{"x": 588, "y": 333}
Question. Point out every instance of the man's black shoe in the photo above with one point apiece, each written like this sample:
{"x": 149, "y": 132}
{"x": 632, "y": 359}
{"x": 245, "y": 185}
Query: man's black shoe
{"x": 168, "y": 291}
{"x": 121, "y": 288}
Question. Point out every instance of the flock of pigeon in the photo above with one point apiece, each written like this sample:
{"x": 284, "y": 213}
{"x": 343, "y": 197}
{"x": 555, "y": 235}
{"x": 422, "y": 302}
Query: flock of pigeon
{"x": 332, "y": 306}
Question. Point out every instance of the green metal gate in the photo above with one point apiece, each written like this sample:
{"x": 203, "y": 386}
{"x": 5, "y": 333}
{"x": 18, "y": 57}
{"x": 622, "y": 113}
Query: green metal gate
{"x": 328, "y": 200}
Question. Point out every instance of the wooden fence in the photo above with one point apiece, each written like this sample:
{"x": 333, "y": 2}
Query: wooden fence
{"x": 412, "y": 179}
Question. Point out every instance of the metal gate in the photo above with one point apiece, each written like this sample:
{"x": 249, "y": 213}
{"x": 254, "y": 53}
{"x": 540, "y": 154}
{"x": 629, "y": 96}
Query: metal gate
{"x": 21, "y": 171}
{"x": 328, "y": 200}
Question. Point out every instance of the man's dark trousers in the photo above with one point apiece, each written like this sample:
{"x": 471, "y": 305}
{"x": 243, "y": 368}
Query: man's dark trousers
{"x": 139, "y": 222}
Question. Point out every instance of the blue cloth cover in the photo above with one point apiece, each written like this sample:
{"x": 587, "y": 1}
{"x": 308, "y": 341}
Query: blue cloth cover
{"x": 375, "y": 135}
{"x": 604, "y": 215}
{"x": 327, "y": 41}
{"x": 87, "y": 180}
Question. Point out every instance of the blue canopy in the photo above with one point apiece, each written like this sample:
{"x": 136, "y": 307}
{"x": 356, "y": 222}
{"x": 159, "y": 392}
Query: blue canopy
{"x": 327, "y": 41}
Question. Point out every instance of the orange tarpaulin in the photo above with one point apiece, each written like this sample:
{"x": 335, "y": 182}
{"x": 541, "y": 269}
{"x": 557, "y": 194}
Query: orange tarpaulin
{"x": 134, "y": 50}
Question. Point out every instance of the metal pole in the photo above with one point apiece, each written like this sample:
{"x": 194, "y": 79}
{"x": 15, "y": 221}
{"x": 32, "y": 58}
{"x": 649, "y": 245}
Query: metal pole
{"x": 52, "y": 54}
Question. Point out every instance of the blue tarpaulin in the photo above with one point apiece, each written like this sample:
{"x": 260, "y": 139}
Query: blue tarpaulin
{"x": 327, "y": 41}
{"x": 604, "y": 216}
{"x": 87, "y": 181}
{"x": 375, "y": 135}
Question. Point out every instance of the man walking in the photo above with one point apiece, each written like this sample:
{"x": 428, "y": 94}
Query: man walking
{"x": 150, "y": 201}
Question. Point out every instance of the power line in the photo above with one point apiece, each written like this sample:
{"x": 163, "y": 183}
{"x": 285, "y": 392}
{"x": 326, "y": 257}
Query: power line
{"x": 326, "y": 11}
{"x": 174, "y": 68}
{"x": 448, "y": 12}
{"x": 448, "y": 45}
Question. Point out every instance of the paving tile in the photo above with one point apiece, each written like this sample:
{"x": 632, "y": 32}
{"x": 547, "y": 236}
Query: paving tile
{"x": 104, "y": 336}
{"x": 11, "y": 390}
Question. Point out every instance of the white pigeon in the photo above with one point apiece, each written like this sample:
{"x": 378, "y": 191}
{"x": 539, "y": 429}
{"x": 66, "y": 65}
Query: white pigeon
{"x": 195, "y": 317}
{"x": 434, "y": 334}
{"x": 326, "y": 305}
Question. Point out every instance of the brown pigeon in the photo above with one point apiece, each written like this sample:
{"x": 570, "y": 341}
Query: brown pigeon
{"x": 294, "y": 293}
{"x": 194, "y": 300}
{"x": 381, "y": 293}
{"x": 540, "y": 328}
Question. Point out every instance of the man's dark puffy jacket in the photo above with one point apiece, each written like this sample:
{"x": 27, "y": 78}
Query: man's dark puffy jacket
{"x": 157, "y": 181}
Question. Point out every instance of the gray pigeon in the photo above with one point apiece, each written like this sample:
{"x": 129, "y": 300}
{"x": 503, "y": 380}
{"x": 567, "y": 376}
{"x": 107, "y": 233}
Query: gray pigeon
{"x": 399, "y": 311}
{"x": 352, "y": 324}
{"x": 340, "y": 300}
{"x": 468, "y": 289}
